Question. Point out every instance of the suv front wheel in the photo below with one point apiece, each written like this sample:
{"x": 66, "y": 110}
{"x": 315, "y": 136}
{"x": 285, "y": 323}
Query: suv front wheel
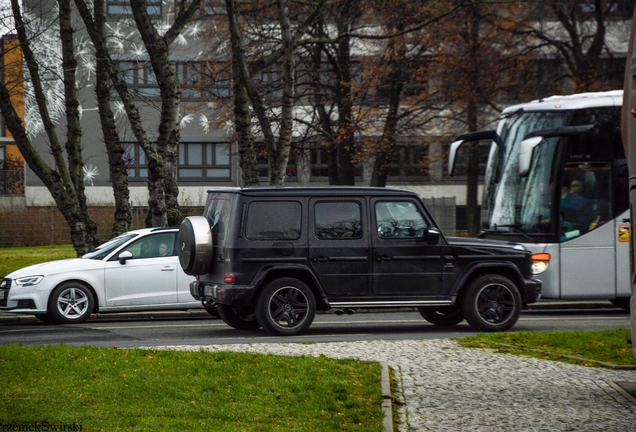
{"x": 286, "y": 307}
{"x": 491, "y": 303}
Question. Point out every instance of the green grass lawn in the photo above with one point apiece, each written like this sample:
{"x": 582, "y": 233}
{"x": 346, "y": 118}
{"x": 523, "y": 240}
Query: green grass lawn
{"x": 15, "y": 258}
{"x": 134, "y": 390}
{"x": 609, "y": 346}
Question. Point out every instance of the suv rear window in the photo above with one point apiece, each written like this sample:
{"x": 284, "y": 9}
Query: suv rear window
{"x": 273, "y": 220}
{"x": 217, "y": 212}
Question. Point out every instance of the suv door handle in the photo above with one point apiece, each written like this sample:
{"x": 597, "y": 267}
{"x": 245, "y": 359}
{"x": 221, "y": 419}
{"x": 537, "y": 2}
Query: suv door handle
{"x": 383, "y": 258}
{"x": 320, "y": 259}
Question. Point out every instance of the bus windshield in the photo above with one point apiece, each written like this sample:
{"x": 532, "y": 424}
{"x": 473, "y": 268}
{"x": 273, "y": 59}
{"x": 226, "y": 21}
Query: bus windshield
{"x": 511, "y": 201}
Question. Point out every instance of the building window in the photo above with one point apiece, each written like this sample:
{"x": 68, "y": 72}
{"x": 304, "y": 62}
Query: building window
{"x": 197, "y": 162}
{"x": 135, "y": 161}
{"x": 320, "y": 165}
{"x": 204, "y": 161}
{"x": 140, "y": 76}
{"x": 262, "y": 165}
{"x": 210, "y": 9}
{"x": 409, "y": 161}
{"x": 121, "y": 8}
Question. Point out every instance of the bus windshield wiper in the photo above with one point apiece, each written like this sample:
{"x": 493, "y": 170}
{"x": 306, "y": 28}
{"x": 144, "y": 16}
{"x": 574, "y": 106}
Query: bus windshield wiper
{"x": 515, "y": 227}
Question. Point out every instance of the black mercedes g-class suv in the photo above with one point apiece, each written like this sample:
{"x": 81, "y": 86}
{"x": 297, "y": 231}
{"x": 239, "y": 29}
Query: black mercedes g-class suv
{"x": 272, "y": 256}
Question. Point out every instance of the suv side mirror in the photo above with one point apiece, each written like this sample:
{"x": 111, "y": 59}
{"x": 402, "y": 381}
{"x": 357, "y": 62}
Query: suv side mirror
{"x": 125, "y": 255}
{"x": 432, "y": 235}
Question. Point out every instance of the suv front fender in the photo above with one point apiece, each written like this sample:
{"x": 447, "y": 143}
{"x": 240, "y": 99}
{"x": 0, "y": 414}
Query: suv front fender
{"x": 503, "y": 268}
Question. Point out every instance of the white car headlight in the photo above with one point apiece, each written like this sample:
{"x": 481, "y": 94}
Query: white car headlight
{"x": 28, "y": 280}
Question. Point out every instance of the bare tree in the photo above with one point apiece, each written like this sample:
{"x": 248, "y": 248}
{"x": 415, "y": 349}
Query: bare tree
{"x": 114, "y": 148}
{"x": 575, "y": 31}
{"x": 64, "y": 180}
{"x": 277, "y": 141}
{"x": 161, "y": 154}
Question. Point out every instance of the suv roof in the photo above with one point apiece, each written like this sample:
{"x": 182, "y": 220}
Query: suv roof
{"x": 313, "y": 191}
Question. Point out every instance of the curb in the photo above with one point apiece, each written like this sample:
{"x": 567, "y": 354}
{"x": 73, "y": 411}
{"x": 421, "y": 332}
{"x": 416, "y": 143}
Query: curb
{"x": 622, "y": 387}
{"x": 548, "y": 353}
{"x": 387, "y": 407}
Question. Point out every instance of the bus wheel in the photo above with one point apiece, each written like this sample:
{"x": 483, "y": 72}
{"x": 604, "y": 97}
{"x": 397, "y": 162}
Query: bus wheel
{"x": 443, "y": 315}
{"x": 491, "y": 303}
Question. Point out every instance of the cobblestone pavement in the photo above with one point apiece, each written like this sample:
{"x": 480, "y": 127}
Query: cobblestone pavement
{"x": 445, "y": 387}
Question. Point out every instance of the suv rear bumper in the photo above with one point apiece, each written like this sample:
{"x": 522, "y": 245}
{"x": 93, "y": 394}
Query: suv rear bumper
{"x": 236, "y": 295}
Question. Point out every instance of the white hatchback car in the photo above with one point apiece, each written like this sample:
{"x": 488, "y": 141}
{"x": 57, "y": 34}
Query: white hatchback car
{"x": 136, "y": 271}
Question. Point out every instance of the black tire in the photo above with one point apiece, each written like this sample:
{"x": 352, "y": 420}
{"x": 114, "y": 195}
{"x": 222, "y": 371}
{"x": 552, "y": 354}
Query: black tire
{"x": 443, "y": 315}
{"x": 491, "y": 303}
{"x": 210, "y": 307}
{"x": 286, "y": 307}
{"x": 240, "y": 319}
{"x": 621, "y": 302}
{"x": 195, "y": 246}
{"x": 71, "y": 302}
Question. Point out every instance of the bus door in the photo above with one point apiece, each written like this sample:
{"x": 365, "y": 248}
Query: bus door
{"x": 587, "y": 232}
{"x": 623, "y": 237}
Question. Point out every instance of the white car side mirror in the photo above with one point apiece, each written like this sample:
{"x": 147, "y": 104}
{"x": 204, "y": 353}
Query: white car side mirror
{"x": 125, "y": 255}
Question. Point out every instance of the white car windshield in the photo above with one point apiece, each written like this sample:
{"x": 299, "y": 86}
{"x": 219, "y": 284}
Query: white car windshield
{"x": 104, "y": 249}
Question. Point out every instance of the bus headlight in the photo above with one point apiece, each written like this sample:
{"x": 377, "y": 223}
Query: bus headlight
{"x": 540, "y": 263}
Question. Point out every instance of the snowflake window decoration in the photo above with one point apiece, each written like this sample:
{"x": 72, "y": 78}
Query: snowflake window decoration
{"x": 90, "y": 172}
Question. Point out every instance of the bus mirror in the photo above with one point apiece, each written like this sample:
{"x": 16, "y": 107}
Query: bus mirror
{"x": 525, "y": 154}
{"x": 470, "y": 136}
{"x": 452, "y": 153}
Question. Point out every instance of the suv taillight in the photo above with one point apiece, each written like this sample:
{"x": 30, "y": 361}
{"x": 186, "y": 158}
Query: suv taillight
{"x": 228, "y": 279}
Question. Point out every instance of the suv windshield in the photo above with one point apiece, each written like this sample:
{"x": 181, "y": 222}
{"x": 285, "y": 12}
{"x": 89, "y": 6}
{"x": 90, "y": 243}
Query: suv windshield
{"x": 104, "y": 249}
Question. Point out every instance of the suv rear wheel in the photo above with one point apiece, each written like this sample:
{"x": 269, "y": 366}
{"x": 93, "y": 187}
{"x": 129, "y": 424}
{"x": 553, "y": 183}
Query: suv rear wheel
{"x": 286, "y": 307}
{"x": 442, "y": 316}
{"x": 491, "y": 303}
{"x": 239, "y": 318}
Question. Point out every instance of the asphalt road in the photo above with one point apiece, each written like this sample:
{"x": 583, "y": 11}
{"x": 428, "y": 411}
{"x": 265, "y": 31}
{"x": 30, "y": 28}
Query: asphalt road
{"x": 195, "y": 328}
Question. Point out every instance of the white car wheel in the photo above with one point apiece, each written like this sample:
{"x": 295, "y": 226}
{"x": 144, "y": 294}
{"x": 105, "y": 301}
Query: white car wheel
{"x": 71, "y": 302}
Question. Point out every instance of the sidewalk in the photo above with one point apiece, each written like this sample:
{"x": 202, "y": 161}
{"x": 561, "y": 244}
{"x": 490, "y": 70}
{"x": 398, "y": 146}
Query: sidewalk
{"x": 443, "y": 387}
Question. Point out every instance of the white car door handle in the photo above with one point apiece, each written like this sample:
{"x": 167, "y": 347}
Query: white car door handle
{"x": 167, "y": 269}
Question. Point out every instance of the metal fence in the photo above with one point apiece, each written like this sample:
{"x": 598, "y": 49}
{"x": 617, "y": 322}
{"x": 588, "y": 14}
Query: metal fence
{"x": 38, "y": 226}
{"x": 443, "y": 211}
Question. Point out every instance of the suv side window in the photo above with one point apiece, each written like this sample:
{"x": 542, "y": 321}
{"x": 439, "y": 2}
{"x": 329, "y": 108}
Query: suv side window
{"x": 338, "y": 220}
{"x": 273, "y": 220}
{"x": 399, "y": 219}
